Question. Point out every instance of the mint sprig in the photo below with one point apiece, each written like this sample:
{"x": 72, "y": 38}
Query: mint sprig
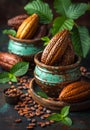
{"x": 61, "y": 23}
{"x": 46, "y": 40}
{"x": 42, "y": 9}
{"x": 42, "y": 94}
{"x": 12, "y": 77}
{"x": 61, "y": 6}
{"x": 69, "y": 9}
{"x": 81, "y": 40}
{"x": 69, "y": 12}
{"x": 62, "y": 116}
{"x": 4, "y": 77}
{"x": 10, "y": 32}
{"x": 18, "y": 69}
{"x": 76, "y": 10}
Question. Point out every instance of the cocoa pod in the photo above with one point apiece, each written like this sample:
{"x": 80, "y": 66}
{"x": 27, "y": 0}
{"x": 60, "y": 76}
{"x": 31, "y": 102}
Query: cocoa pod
{"x": 16, "y": 21}
{"x": 68, "y": 56}
{"x": 7, "y": 60}
{"x": 28, "y": 27}
{"x": 75, "y": 92}
{"x": 42, "y": 31}
{"x": 56, "y": 48}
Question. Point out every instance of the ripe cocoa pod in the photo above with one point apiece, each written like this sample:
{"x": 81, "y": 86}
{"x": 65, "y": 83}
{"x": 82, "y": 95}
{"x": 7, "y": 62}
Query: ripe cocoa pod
{"x": 16, "y": 21}
{"x": 68, "y": 56}
{"x": 42, "y": 31}
{"x": 75, "y": 92}
{"x": 7, "y": 60}
{"x": 28, "y": 27}
{"x": 56, "y": 48}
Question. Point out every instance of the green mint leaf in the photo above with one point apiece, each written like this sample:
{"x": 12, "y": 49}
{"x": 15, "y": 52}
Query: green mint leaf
{"x": 12, "y": 77}
{"x": 62, "y": 116}
{"x": 42, "y": 94}
{"x": 67, "y": 121}
{"x": 9, "y": 32}
{"x": 76, "y": 10}
{"x": 65, "y": 111}
{"x": 46, "y": 40}
{"x": 4, "y": 77}
{"x": 42, "y": 9}
{"x": 81, "y": 41}
{"x": 61, "y": 23}
{"x": 55, "y": 117}
{"x": 62, "y": 6}
{"x": 20, "y": 68}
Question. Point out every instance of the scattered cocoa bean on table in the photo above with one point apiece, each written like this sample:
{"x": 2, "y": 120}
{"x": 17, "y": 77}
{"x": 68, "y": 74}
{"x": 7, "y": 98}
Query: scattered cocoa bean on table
{"x": 28, "y": 108}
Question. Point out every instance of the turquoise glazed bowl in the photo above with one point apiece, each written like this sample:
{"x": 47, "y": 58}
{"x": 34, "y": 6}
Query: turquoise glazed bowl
{"x": 52, "y": 79}
{"x": 24, "y": 48}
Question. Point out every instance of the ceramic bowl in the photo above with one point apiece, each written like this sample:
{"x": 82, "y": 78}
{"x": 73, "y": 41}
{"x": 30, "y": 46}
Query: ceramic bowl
{"x": 54, "y": 104}
{"x": 52, "y": 79}
{"x": 24, "y": 47}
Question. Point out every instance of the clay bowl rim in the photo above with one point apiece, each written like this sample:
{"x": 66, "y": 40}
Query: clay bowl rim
{"x": 56, "y": 105}
{"x": 39, "y": 63}
{"x": 27, "y": 41}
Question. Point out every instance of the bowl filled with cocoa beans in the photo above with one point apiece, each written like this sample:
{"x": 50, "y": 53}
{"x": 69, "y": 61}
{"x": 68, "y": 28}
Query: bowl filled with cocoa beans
{"x": 57, "y": 65}
{"x": 27, "y": 40}
{"x": 12, "y": 95}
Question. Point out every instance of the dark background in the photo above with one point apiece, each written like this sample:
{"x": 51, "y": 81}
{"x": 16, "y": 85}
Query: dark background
{"x": 11, "y": 8}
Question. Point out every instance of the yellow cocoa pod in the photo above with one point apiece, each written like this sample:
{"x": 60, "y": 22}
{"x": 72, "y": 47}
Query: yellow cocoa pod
{"x": 28, "y": 27}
